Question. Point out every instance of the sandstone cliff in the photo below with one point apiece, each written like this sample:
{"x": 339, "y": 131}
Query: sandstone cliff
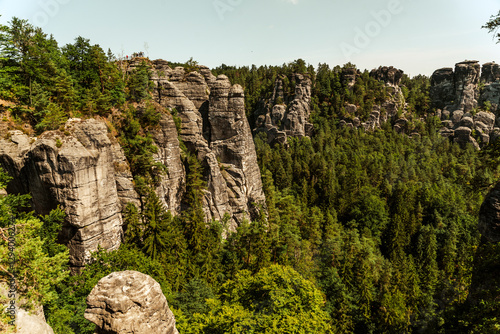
{"x": 129, "y": 302}
{"x": 80, "y": 169}
{"x": 456, "y": 94}
{"x": 84, "y": 170}
{"x": 215, "y": 128}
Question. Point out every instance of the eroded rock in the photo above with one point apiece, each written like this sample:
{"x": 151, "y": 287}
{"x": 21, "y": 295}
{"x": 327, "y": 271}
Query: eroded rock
{"x": 84, "y": 172}
{"x": 129, "y": 302}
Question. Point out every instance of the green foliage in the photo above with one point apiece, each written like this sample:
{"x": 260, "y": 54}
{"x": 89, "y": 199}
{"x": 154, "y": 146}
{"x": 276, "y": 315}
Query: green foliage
{"x": 364, "y": 232}
{"x": 41, "y": 263}
{"x": 66, "y": 312}
{"x": 138, "y": 83}
{"x": 275, "y": 300}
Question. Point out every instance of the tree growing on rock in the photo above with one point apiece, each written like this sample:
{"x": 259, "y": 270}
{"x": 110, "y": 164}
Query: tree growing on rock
{"x": 493, "y": 24}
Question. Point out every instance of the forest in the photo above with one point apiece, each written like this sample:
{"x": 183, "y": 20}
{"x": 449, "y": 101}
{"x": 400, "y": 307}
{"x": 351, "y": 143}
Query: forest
{"x": 363, "y": 232}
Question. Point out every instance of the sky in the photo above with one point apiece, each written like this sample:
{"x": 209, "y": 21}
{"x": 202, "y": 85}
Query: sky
{"x": 417, "y": 36}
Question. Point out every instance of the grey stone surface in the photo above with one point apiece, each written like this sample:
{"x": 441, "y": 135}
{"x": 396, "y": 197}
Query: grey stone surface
{"x": 129, "y": 302}
{"x": 215, "y": 128}
{"x": 83, "y": 171}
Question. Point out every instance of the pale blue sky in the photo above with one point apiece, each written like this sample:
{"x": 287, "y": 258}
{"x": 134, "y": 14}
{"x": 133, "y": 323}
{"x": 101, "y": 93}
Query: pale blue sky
{"x": 416, "y": 36}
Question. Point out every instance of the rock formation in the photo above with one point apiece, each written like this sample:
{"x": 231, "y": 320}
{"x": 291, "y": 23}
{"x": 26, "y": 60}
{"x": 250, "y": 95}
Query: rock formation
{"x": 29, "y": 324}
{"x": 391, "y": 77}
{"x": 80, "y": 169}
{"x": 456, "y": 89}
{"x": 456, "y": 94}
{"x": 215, "y": 128}
{"x": 279, "y": 119}
{"x": 129, "y": 302}
{"x": 26, "y": 322}
{"x": 442, "y": 91}
{"x": 490, "y": 78}
{"x": 349, "y": 75}
{"x": 173, "y": 183}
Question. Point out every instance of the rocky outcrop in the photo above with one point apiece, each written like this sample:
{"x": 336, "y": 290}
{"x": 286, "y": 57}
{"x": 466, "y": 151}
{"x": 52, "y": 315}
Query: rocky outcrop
{"x": 129, "y": 302}
{"x": 442, "y": 91}
{"x": 215, "y": 128}
{"x": 279, "y": 119}
{"x": 296, "y": 119}
{"x": 390, "y": 75}
{"x": 28, "y": 324}
{"x": 466, "y": 85}
{"x": 173, "y": 183}
{"x": 457, "y": 95}
{"x": 82, "y": 170}
{"x": 232, "y": 143}
{"x": 349, "y": 75}
{"x": 456, "y": 89}
{"x": 388, "y": 110}
{"x": 490, "y": 73}
{"x": 489, "y": 215}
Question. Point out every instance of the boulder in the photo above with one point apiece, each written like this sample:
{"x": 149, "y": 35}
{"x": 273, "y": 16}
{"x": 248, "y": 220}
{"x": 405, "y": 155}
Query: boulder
{"x": 467, "y": 122}
{"x": 486, "y": 118}
{"x": 457, "y": 116}
{"x": 129, "y": 302}
{"x": 83, "y": 171}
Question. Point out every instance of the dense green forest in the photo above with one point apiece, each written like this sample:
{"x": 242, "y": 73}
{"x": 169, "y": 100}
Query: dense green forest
{"x": 365, "y": 232}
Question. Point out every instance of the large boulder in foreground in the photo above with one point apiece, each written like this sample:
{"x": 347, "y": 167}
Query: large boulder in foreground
{"x": 129, "y": 302}
{"x": 489, "y": 215}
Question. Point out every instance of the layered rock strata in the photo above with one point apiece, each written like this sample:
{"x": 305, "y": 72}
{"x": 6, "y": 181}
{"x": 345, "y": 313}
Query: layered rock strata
{"x": 81, "y": 170}
{"x": 215, "y": 128}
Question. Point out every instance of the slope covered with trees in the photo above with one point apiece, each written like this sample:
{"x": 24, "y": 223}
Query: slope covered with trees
{"x": 365, "y": 232}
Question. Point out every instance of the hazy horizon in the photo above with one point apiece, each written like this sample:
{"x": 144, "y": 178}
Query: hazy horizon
{"x": 417, "y": 37}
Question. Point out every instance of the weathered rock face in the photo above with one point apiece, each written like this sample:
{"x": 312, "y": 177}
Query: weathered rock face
{"x": 129, "y": 302}
{"x": 235, "y": 148}
{"x": 442, "y": 91}
{"x": 489, "y": 215}
{"x": 349, "y": 76}
{"x": 466, "y": 85}
{"x": 83, "y": 171}
{"x": 390, "y": 75}
{"x": 490, "y": 73}
{"x": 173, "y": 184}
{"x": 457, "y": 92}
{"x": 296, "y": 120}
{"x": 280, "y": 120}
{"x": 215, "y": 128}
{"x": 28, "y": 324}
{"x": 456, "y": 89}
